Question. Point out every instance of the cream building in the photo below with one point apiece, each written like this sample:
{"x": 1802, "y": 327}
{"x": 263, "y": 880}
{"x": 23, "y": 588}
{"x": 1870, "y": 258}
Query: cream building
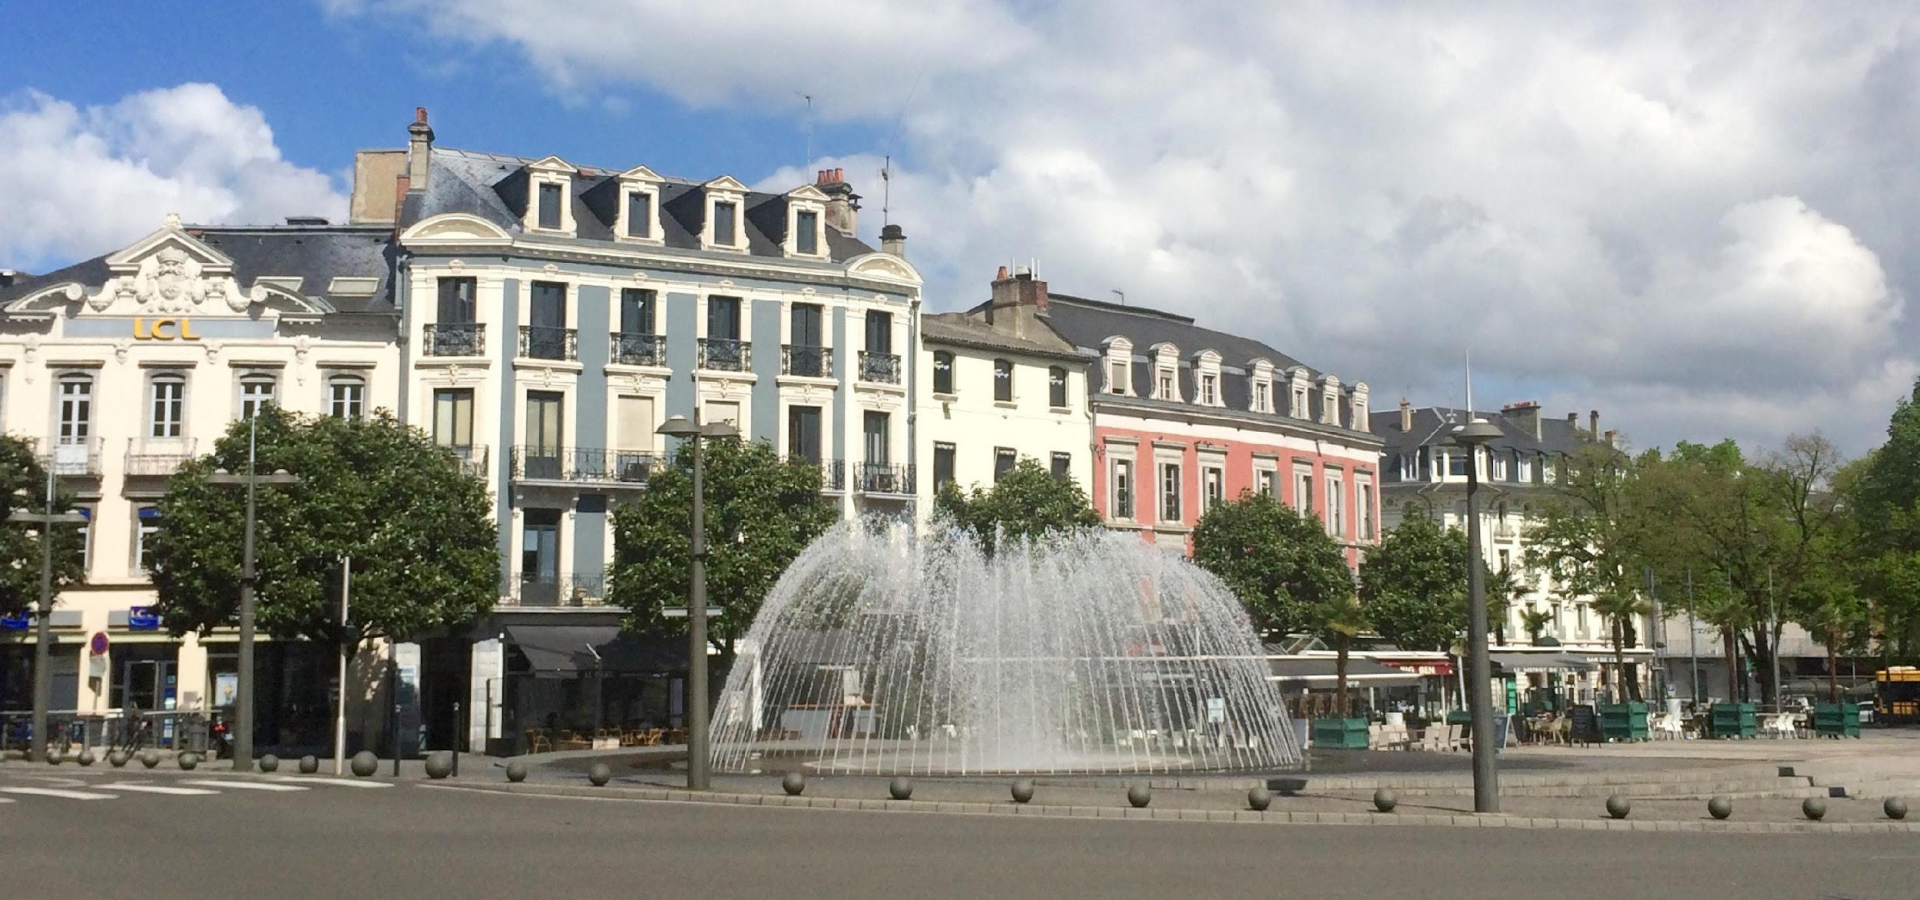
{"x": 122, "y": 367}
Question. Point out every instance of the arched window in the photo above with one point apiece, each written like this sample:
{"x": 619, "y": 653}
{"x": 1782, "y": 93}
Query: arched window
{"x": 167, "y": 411}
{"x": 256, "y": 392}
{"x": 1002, "y": 381}
{"x": 1057, "y": 387}
{"x": 346, "y": 396}
{"x": 942, "y": 372}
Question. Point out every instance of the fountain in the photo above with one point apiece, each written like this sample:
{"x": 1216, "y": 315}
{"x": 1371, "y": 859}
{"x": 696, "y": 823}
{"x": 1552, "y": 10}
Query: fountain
{"x": 885, "y": 652}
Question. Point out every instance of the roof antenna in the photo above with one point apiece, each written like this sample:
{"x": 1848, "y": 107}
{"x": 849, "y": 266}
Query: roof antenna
{"x": 1469, "y": 385}
{"x": 1122, "y": 295}
{"x": 886, "y": 191}
{"x": 806, "y": 128}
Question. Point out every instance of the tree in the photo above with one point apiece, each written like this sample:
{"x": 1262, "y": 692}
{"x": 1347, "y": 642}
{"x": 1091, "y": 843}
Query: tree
{"x": 1535, "y": 621}
{"x": 1414, "y": 585}
{"x": 417, "y": 527}
{"x": 1026, "y": 502}
{"x": 1886, "y": 498}
{"x": 24, "y": 482}
{"x": 1621, "y": 610}
{"x": 761, "y": 512}
{"x": 1340, "y": 620}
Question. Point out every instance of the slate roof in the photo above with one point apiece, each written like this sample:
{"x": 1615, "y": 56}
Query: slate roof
{"x": 493, "y": 186}
{"x": 316, "y": 254}
{"x": 962, "y": 329}
{"x": 1432, "y": 425}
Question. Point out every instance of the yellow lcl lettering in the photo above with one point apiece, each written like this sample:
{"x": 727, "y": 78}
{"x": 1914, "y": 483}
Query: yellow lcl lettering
{"x": 160, "y": 327}
{"x": 186, "y": 330}
{"x": 140, "y": 330}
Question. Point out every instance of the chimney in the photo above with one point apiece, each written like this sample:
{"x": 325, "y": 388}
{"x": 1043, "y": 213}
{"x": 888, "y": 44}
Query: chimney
{"x": 419, "y": 150}
{"x": 1573, "y": 421}
{"x": 1017, "y": 299}
{"x": 1613, "y": 438}
{"x": 1406, "y": 415}
{"x": 8, "y": 277}
{"x": 842, "y": 203}
{"x": 893, "y": 241}
{"x": 1593, "y": 431}
{"x": 1525, "y": 414}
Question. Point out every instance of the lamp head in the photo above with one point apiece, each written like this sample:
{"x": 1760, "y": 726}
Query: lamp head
{"x": 719, "y": 431}
{"x": 678, "y": 426}
{"x": 1475, "y": 433}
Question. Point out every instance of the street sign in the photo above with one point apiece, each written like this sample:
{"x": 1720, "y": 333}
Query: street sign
{"x": 680, "y": 612}
{"x": 142, "y": 618}
{"x": 98, "y": 645}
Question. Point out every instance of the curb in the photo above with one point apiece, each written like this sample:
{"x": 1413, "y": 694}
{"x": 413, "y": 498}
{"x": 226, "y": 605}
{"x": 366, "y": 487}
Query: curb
{"x": 1185, "y": 815}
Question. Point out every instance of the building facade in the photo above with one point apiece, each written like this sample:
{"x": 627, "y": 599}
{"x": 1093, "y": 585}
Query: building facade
{"x": 126, "y": 365}
{"x": 1000, "y": 386}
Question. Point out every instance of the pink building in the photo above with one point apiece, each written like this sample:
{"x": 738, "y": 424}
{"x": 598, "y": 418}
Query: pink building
{"x": 1185, "y": 417}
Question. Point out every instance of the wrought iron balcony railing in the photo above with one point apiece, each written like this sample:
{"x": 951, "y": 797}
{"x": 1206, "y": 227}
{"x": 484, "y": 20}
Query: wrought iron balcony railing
{"x": 879, "y": 368}
{"x": 639, "y": 349}
{"x": 534, "y": 589}
{"x": 881, "y": 478}
{"x": 472, "y": 457}
{"x": 725, "y": 355}
{"x": 805, "y": 360}
{"x": 455, "y": 339}
{"x": 582, "y": 464}
{"x": 157, "y": 457}
{"x": 545, "y": 342}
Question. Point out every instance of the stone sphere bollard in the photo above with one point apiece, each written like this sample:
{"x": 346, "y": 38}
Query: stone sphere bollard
{"x": 118, "y": 758}
{"x": 269, "y": 763}
{"x": 56, "y": 755}
{"x": 309, "y": 764}
{"x": 900, "y": 788}
{"x": 1259, "y": 798}
{"x": 793, "y": 783}
{"x": 1814, "y": 808}
{"x": 150, "y": 757}
{"x": 599, "y": 774}
{"x": 1138, "y": 795}
{"x": 187, "y": 760}
{"x": 1618, "y": 807}
{"x": 439, "y": 764}
{"x": 86, "y": 757}
{"x": 1895, "y": 808}
{"x": 1023, "y": 790}
{"x": 364, "y": 763}
{"x": 516, "y": 770}
{"x": 1720, "y": 807}
{"x": 1384, "y": 800}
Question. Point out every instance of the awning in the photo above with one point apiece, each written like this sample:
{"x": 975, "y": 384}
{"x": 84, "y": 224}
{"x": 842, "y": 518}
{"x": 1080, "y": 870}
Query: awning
{"x": 568, "y": 649}
{"x": 1535, "y": 662}
{"x": 1314, "y": 672}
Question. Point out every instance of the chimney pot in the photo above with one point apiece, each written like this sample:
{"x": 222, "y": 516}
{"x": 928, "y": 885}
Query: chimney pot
{"x": 1001, "y": 275}
{"x": 893, "y": 241}
{"x": 1593, "y": 422}
{"x": 419, "y": 150}
{"x": 1406, "y": 415}
{"x": 420, "y": 115}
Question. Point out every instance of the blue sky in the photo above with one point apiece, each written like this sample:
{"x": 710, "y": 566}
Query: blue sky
{"x": 1702, "y": 226}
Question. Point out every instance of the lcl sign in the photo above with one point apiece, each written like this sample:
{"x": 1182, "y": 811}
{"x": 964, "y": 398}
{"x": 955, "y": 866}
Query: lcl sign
{"x": 164, "y": 330}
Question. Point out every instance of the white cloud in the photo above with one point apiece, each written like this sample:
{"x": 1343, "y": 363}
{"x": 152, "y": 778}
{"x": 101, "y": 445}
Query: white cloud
{"x": 1705, "y": 223}
{"x": 77, "y": 182}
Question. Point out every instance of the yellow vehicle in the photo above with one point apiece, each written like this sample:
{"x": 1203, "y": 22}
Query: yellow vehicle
{"x": 1896, "y": 695}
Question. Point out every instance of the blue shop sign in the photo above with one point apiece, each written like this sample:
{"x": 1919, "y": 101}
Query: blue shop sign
{"x": 20, "y": 622}
{"x": 142, "y": 618}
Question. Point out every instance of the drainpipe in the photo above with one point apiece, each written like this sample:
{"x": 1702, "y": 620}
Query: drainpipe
{"x": 913, "y": 408}
{"x": 401, "y": 291}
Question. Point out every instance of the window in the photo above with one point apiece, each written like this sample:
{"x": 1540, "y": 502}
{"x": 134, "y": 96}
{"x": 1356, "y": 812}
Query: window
{"x": 346, "y": 396}
{"x": 1212, "y": 488}
{"x": 717, "y": 411}
{"x": 1457, "y": 464}
{"x": 942, "y": 372}
{"x": 1336, "y": 506}
{"x": 1363, "y": 509}
{"x": 549, "y": 206}
{"x": 1164, "y": 389}
{"x": 453, "y": 417}
{"x": 636, "y": 311}
{"x": 1499, "y": 467}
{"x": 723, "y": 223}
{"x": 256, "y": 392}
{"x": 942, "y": 465}
{"x": 1002, "y": 381}
{"x": 456, "y": 300}
{"x": 1122, "y": 497}
{"x": 879, "y": 331}
{"x": 1303, "y": 491}
{"x": 806, "y": 232}
{"x": 1266, "y": 484}
{"x": 876, "y": 428}
{"x": 1117, "y": 377}
{"x": 1409, "y": 467}
{"x": 168, "y": 394}
{"x": 1170, "y": 492}
{"x": 640, "y": 214}
{"x": 545, "y": 432}
{"x": 546, "y": 332}
{"x": 1063, "y": 466}
{"x": 1210, "y": 390}
{"x": 1004, "y": 459}
{"x": 76, "y": 409}
{"x": 803, "y": 433}
{"x": 146, "y": 525}
{"x": 634, "y": 424}
{"x": 805, "y": 336}
{"x": 540, "y": 558}
{"x": 1057, "y": 387}
{"x": 86, "y": 536}
{"x": 1300, "y": 402}
{"x": 723, "y": 318}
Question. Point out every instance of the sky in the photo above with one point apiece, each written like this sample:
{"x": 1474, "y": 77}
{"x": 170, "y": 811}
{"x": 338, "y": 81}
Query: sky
{"x": 1702, "y": 224}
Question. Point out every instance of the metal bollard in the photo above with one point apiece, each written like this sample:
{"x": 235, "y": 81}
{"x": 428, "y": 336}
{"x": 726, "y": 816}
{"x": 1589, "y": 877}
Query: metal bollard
{"x": 460, "y": 734}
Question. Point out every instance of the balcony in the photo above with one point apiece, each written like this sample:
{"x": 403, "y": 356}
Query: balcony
{"x": 544, "y": 342}
{"x": 75, "y": 459}
{"x": 884, "y": 479}
{"x": 725, "y": 355}
{"x": 455, "y": 339}
{"x": 879, "y": 368}
{"x": 833, "y": 476}
{"x": 639, "y": 349}
{"x": 583, "y": 465}
{"x": 157, "y": 457}
{"x": 578, "y": 590}
{"x": 472, "y": 457}
{"x": 806, "y": 361}
{"x": 1506, "y": 531}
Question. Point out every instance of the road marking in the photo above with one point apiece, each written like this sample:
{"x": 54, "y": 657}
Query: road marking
{"x": 159, "y": 789}
{"x": 341, "y": 782}
{"x": 56, "y": 792}
{"x": 245, "y": 785}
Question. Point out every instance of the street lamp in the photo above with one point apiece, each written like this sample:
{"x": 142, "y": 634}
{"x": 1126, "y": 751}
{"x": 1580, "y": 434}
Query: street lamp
{"x": 1486, "y": 779}
{"x": 243, "y": 694}
{"x": 681, "y": 427}
{"x": 43, "y": 634}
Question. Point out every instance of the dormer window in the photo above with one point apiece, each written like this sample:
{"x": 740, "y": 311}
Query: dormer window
{"x": 639, "y": 206}
{"x": 1117, "y": 376}
{"x": 1210, "y": 390}
{"x": 806, "y": 233}
{"x": 724, "y": 229}
{"x": 549, "y": 206}
{"x": 1359, "y": 418}
{"x": 1206, "y": 377}
{"x": 1297, "y": 387}
{"x": 1299, "y": 410}
{"x": 726, "y": 223}
{"x": 1119, "y": 366}
{"x": 1164, "y": 386}
{"x": 1329, "y": 400}
{"x": 639, "y": 218}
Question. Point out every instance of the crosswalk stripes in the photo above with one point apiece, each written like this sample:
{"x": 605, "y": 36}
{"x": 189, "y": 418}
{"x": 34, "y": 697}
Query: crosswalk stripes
{"x": 62, "y": 793}
{"x": 245, "y": 785}
{"x": 159, "y": 789}
{"x": 340, "y": 782}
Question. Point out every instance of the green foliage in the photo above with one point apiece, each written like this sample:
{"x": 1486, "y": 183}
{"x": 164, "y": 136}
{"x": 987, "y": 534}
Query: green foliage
{"x": 23, "y": 482}
{"x": 1287, "y": 571}
{"x": 1886, "y": 496}
{"x": 418, "y": 529}
{"x": 1414, "y": 585}
{"x": 1026, "y": 502}
{"x": 760, "y": 513}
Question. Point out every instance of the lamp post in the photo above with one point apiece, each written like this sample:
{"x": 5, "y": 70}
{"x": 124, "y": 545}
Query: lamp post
{"x": 243, "y": 693}
{"x": 1486, "y": 778}
{"x": 680, "y": 427}
{"x": 42, "y": 630}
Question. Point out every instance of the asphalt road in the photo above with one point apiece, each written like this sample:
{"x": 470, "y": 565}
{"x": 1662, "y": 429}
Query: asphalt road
{"x": 417, "y": 841}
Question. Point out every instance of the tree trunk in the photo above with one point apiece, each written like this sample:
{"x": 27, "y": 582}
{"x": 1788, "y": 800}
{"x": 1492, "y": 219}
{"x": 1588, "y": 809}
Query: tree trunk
{"x": 1619, "y": 663}
{"x": 1340, "y": 644}
{"x": 1833, "y": 666}
{"x": 1733, "y": 664}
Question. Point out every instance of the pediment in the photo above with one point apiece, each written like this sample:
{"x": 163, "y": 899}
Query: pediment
{"x": 807, "y": 192}
{"x": 172, "y": 241}
{"x": 726, "y": 183}
{"x": 455, "y": 227}
{"x": 885, "y": 267}
{"x": 554, "y": 164}
{"x": 641, "y": 173}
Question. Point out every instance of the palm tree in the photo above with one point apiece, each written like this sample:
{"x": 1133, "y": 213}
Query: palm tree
{"x": 1503, "y": 587}
{"x": 1341, "y": 619}
{"x": 1535, "y": 621}
{"x": 1728, "y": 613}
{"x": 1620, "y": 608}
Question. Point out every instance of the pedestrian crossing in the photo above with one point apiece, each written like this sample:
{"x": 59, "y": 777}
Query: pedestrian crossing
{"x": 15, "y": 787}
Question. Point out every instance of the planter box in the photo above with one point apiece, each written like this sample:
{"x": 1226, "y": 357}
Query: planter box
{"x": 1340, "y": 734}
{"x": 1836, "y": 720}
{"x": 1623, "y": 721}
{"x": 1733, "y": 720}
